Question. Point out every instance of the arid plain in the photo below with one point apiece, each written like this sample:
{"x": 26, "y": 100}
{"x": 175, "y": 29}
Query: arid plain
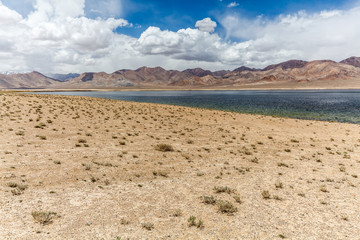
{"x": 87, "y": 168}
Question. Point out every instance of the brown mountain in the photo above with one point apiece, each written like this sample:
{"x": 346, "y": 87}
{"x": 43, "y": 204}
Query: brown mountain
{"x": 293, "y": 74}
{"x": 291, "y": 64}
{"x": 198, "y": 72}
{"x": 147, "y": 77}
{"x": 353, "y": 61}
{"x": 315, "y": 73}
{"x": 26, "y": 80}
{"x": 244, "y": 68}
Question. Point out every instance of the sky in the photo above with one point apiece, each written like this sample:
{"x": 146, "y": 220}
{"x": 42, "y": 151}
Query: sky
{"x": 52, "y": 36}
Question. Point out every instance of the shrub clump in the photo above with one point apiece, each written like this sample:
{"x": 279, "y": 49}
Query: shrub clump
{"x": 226, "y": 207}
{"x": 220, "y": 189}
{"x": 266, "y": 194}
{"x": 164, "y": 147}
{"x": 148, "y": 226}
{"x": 192, "y": 222}
{"x": 17, "y": 189}
{"x": 208, "y": 200}
{"x": 43, "y": 218}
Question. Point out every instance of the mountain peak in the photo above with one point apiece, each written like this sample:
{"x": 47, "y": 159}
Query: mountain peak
{"x": 353, "y": 61}
{"x": 244, "y": 68}
{"x": 144, "y": 68}
{"x": 199, "y": 72}
{"x": 287, "y": 65}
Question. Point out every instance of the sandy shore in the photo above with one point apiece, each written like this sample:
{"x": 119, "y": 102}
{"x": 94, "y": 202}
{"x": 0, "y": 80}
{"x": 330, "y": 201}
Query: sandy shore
{"x": 87, "y": 168}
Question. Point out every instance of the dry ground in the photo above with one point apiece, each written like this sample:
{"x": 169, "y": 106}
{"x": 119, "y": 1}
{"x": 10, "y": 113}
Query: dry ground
{"x": 86, "y": 168}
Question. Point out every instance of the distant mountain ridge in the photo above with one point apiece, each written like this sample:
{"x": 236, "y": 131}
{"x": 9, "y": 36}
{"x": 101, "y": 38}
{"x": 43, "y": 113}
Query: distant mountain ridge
{"x": 63, "y": 77}
{"x": 292, "y": 73}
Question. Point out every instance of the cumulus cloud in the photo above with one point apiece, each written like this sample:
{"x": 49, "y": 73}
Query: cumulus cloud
{"x": 47, "y": 10}
{"x": 196, "y": 45}
{"x": 327, "y": 34}
{"x": 186, "y": 44}
{"x": 55, "y": 35}
{"x": 8, "y": 16}
{"x": 206, "y": 25}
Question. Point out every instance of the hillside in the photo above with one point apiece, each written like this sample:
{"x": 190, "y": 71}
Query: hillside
{"x": 26, "y": 80}
{"x": 354, "y": 61}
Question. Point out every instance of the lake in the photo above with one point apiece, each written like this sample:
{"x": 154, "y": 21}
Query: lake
{"x": 328, "y": 105}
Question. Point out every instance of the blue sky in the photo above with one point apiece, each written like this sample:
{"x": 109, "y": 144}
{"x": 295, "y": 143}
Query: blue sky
{"x": 92, "y": 35}
{"x": 174, "y": 15}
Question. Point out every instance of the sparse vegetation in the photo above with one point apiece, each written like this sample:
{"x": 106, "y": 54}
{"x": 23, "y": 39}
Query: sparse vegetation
{"x": 177, "y": 213}
{"x": 221, "y": 189}
{"x": 164, "y": 148}
{"x": 226, "y": 207}
{"x": 160, "y": 173}
{"x": 43, "y": 218}
{"x": 192, "y": 222}
{"x": 208, "y": 199}
{"x": 148, "y": 226}
{"x": 237, "y": 198}
{"x": 266, "y": 194}
{"x": 17, "y": 189}
{"x": 279, "y": 185}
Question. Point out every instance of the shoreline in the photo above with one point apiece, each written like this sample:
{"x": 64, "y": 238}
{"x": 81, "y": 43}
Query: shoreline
{"x": 285, "y": 114}
{"x": 179, "y": 89}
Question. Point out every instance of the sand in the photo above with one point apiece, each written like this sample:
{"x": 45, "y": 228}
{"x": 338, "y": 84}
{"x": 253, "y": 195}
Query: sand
{"x": 94, "y": 166}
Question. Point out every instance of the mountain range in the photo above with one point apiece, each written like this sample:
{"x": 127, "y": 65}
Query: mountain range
{"x": 289, "y": 74}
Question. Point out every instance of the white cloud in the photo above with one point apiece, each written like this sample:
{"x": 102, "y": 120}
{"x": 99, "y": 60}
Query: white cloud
{"x": 185, "y": 44}
{"x": 48, "y": 10}
{"x": 232, "y": 4}
{"x": 55, "y": 37}
{"x": 327, "y": 34}
{"x": 8, "y": 16}
{"x": 206, "y": 25}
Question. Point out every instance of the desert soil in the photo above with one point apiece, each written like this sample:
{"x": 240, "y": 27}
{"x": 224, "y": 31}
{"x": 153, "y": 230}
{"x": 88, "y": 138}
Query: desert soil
{"x": 87, "y": 168}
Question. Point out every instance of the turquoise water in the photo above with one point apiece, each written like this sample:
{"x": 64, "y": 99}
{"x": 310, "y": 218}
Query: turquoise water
{"x": 328, "y": 105}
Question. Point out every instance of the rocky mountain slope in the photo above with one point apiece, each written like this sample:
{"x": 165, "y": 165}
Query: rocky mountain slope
{"x": 354, "y": 61}
{"x": 293, "y": 73}
{"x": 26, "y": 81}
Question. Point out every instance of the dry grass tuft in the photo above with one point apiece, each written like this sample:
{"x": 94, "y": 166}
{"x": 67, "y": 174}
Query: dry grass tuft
{"x": 164, "y": 147}
{"x": 43, "y": 218}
